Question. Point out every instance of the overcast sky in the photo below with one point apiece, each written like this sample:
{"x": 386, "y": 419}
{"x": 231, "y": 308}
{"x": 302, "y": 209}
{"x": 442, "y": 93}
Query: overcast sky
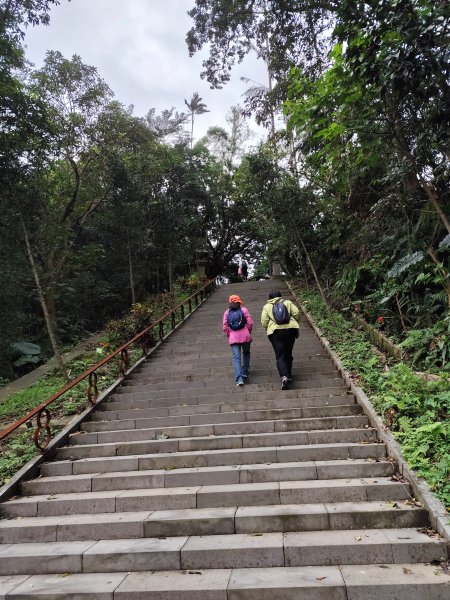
{"x": 139, "y": 49}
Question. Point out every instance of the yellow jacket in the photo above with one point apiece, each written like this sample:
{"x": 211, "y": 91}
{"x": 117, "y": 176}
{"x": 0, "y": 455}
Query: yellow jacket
{"x": 268, "y": 322}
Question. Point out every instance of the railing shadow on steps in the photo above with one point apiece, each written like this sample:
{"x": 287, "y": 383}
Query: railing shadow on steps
{"x": 167, "y": 321}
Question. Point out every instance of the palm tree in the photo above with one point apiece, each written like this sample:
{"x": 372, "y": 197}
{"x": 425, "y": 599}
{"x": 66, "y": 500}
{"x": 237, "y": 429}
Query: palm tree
{"x": 196, "y": 106}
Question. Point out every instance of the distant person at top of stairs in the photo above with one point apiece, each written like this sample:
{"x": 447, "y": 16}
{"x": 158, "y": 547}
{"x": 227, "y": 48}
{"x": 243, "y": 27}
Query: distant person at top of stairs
{"x": 282, "y": 335}
{"x": 243, "y": 269}
{"x": 237, "y": 324}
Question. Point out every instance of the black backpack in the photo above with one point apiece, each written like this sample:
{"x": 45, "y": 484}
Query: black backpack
{"x": 280, "y": 313}
{"x": 236, "y": 319}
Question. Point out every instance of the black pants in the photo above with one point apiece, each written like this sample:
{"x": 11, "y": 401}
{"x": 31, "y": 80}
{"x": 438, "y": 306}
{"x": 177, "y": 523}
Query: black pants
{"x": 283, "y": 342}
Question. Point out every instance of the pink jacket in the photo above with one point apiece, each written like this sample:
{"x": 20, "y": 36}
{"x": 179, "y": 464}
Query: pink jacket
{"x": 241, "y": 335}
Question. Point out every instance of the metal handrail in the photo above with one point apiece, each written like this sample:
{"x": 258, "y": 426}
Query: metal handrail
{"x": 92, "y": 391}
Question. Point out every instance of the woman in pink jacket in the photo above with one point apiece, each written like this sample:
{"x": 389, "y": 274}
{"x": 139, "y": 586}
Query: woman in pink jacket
{"x": 237, "y": 324}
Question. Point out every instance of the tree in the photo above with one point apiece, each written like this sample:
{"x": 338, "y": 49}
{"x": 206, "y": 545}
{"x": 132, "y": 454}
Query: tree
{"x": 227, "y": 221}
{"x": 196, "y": 106}
{"x": 229, "y": 146}
{"x": 234, "y": 28}
{"x": 168, "y": 126}
{"x": 367, "y": 129}
{"x": 68, "y": 181}
{"x": 281, "y": 33}
{"x": 26, "y": 132}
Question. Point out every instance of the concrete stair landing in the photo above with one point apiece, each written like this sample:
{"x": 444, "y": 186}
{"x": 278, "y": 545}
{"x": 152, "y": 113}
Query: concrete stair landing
{"x": 185, "y": 486}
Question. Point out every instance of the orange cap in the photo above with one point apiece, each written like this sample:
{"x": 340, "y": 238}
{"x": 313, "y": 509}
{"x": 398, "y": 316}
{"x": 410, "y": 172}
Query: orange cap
{"x": 235, "y": 299}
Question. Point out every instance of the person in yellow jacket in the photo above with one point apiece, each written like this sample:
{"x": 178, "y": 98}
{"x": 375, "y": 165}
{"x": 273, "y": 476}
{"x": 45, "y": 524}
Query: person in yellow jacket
{"x": 282, "y": 336}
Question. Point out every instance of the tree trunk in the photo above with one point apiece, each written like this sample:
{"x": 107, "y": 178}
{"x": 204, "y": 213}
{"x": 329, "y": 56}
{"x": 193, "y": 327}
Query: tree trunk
{"x": 169, "y": 269}
{"x": 402, "y": 147}
{"x": 131, "y": 274}
{"x": 49, "y": 296}
{"x": 300, "y": 262}
{"x": 49, "y": 318}
{"x": 402, "y": 320}
{"x": 317, "y": 279}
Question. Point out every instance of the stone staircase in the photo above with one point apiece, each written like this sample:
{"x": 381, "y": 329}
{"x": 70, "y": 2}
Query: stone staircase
{"x": 185, "y": 486}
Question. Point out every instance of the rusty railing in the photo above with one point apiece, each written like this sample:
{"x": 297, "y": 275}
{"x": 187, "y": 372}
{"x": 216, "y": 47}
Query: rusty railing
{"x": 42, "y": 413}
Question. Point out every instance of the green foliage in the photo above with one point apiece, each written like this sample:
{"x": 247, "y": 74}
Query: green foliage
{"x": 430, "y": 347}
{"x": 18, "y": 452}
{"x": 144, "y": 314}
{"x": 426, "y": 448}
{"x": 405, "y": 262}
{"x": 417, "y": 410}
{"x": 22, "y": 402}
{"x": 29, "y": 354}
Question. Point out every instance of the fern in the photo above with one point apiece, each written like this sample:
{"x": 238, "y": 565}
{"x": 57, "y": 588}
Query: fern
{"x": 405, "y": 263}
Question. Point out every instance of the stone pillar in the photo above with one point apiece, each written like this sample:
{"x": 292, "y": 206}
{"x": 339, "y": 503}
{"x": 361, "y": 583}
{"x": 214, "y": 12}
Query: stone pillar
{"x": 202, "y": 261}
{"x": 201, "y": 270}
{"x": 276, "y": 271}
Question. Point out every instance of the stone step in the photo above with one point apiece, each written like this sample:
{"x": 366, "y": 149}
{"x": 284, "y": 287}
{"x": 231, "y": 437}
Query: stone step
{"x": 213, "y": 521}
{"x": 221, "y": 347}
{"x": 211, "y": 458}
{"x": 207, "y": 496}
{"x": 203, "y": 361}
{"x": 221, "y": 429}
{"x": 361, "y": 433}
{"x": 230, "y": 474}
{"x": 257, "y": 361}
{"x": 405, "y": 581}
{"x": 143, "y": 392}
{"x": 221, "y": 379}
{"x": 318, "y": 548}
{"x": 223, "y": 417}
{"x": 237, "y": 403}
{"x": 157, "y": 374}
{"x": 220, "y": 350}
{"x": 153, "y": 375}
{"x": 260, "y": 339}
{"x": 223, "y": 357}
{"x": 227, "y": 402}
{"x": 285, "y": 518}
{"x": 190, "y": 334}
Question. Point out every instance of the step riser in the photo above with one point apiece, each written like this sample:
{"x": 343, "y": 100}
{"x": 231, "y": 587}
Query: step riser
{"x": 402, "y": 582}
{"x": 144, "y": 392}
{"x": 217, "y": 418}
{"x": 151, "y": 375}
{"x": 218, "y": 476}
{"x": 285, "y": 519}
{"x": 223, "y": 552}
{"x": 257, "y": 427}
{"x": 215, "y": 459}
{"x": 223, "y": 375}
{"x": 200, "y": 411}
{"x": 258, "y": 494}
{"x": 219, "y": 443}
{"x": 213, "y": 521}
{"x": 161, "y": 369}
{"x": 236, "y": 403}
{"x": 221, "y": 380}
{"x": 172, "y": 361}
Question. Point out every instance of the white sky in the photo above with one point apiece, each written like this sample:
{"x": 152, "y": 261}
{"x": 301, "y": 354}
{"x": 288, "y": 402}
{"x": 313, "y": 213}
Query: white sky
{"x": 139, "y": 49}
